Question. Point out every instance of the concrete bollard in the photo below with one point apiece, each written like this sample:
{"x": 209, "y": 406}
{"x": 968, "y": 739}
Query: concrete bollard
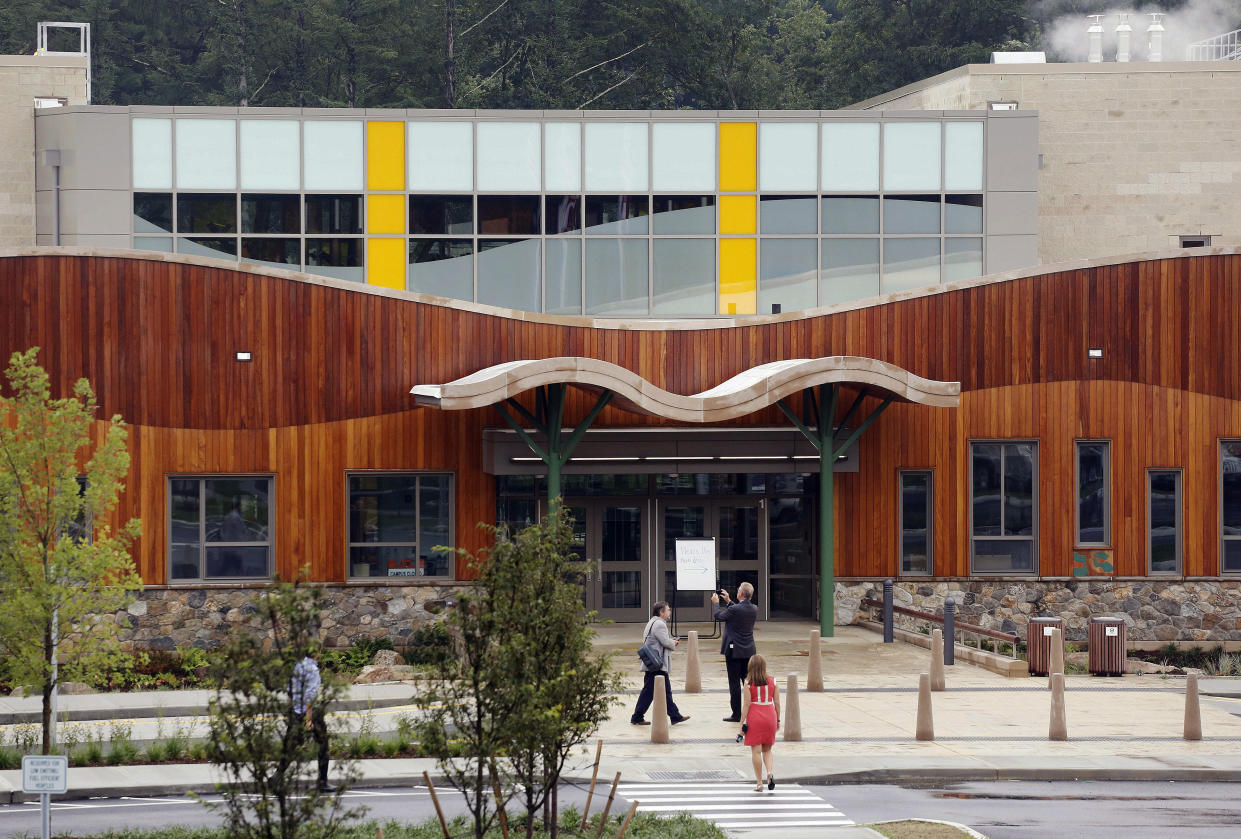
{"x": 814, "y": 678}
{"x": 659, "y": 713}
{"x": 1057, "y": 654}
{"x": 1193, "y": 713}
{"x": 792, "y": 711}
{"x": 926, "y": 727}
{"x": 937, "y": 660}
{"x": 1059, "y": 727}
{"x": 693, "y": 678}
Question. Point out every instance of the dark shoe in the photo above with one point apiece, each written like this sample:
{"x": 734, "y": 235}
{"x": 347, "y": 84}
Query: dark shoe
{"x": 326, "y": 789}
{"x": 639, "y": 722}
{"x": 771, "y": 782}
{"x": 732, "y": 719}
{"x": 680, "y": 719}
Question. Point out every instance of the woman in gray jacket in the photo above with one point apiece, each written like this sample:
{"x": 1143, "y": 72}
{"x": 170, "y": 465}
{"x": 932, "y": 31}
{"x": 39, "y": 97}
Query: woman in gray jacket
{"x": 657, "y": 629}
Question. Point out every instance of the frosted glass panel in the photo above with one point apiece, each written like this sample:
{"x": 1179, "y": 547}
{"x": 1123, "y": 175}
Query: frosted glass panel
{"x": 153, "y": 243}
{"x": 508, "y": 157}
{"x": 962, "y": 259}
{"x": 910, "y": 263}
{"x": 442, "y": 266}
{"x": 564, "y": 277}
{"x": 850, "y": 156}
{"x": 616, "y": 156}
{"x": 206, "y": 154}
{"x": 911, "y": 155}
{"x": 787, "y": 274}
{"x": 562, "y": 156}
{"x": 850, "y": 214}
{"x": 850, "y": 270}
{"x": 333, "y": 154}
{"x": 441, "y": 155}
{"x": 508, "y": 273}
{"x": 963, "y": 155}
{"x": 684, "y": 156}
{"x": 152, "y": 148}
{"x": 270, "y": 154}
{"x": 787, "y": 156}
{"x": 616, "y": 277}
{"x": 684, "y": 277}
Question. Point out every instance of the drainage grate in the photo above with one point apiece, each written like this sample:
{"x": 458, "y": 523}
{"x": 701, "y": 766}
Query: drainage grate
{"x": 701, "y": 775}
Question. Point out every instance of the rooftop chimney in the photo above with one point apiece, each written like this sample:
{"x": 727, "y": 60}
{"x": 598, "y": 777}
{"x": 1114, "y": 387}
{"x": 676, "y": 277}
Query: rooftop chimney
{"x": 1154, "y": 37}
{"x": 1123, "y": 34}
{"x": 1096, "y": 38}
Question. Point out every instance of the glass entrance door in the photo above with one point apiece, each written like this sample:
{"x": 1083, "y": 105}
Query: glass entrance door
{"x": 610, "y": 542}
{"x": 740, "y": 530}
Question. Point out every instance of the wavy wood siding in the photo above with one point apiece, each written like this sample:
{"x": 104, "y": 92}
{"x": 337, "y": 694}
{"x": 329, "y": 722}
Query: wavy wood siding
{"x": 328, "y": 390}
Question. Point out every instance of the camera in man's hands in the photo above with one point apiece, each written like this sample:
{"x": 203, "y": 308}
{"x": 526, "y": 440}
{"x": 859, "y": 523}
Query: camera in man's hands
{"x": 744, "y": 728}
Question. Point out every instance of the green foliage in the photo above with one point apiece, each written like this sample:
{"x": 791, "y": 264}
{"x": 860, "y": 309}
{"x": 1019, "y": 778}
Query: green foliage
{"x": 63, "y": 568}
{"x": 429, "y": 646}
{"x": 353, "y": 658}
{"x": 258, "y": 743}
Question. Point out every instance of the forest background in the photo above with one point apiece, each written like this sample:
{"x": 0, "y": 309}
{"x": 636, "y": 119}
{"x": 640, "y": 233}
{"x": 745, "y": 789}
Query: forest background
{"x": 536, "y": 54}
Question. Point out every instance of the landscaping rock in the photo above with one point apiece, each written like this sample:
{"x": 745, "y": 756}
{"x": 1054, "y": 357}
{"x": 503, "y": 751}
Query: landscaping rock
{"x": 373, "y": 673}
{"x": 387, "y": 658}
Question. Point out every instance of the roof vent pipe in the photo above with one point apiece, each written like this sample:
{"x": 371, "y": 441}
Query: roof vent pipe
{"x": 1124, "y": 32}
{"x": 1096, "y": 38}
{"x": 1154, "y": 37}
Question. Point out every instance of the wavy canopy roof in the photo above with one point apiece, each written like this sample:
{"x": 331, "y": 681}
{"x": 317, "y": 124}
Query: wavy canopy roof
{"x": 749, "y": 391}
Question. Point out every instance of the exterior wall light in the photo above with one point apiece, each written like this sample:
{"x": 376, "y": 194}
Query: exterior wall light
{"x": 1094, "y": 352}
{"x": 244, "y": 355}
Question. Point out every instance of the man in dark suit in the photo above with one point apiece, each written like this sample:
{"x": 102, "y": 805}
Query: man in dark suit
{"x": 738, "y": 644}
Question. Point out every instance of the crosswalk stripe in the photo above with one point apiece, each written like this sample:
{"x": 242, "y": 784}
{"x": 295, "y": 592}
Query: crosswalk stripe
{"x": 750, "y": 824}
{"x": 727, "y": 803}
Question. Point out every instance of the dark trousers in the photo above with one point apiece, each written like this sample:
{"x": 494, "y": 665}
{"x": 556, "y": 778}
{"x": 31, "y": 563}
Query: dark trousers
{"x": 736, "y": 675}
{"x": 318, "y": 730}
{"x": 647, "y": 696}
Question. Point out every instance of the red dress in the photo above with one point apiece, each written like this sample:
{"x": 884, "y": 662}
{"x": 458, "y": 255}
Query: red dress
{"x": 761, "y": 718}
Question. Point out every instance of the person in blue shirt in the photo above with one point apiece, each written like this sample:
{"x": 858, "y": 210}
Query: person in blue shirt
{"x": 308, "y": 713}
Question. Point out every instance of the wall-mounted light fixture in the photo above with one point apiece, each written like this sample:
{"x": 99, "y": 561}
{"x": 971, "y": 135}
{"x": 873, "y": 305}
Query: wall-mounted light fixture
{"x": 245, "y": 355}
{"x": 1094, "y": 352}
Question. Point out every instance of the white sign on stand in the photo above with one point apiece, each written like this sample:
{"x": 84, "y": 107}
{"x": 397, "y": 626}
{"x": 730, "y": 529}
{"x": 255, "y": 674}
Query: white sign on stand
{"x": 45, "y": 774}
{"x": 695, "y": 564}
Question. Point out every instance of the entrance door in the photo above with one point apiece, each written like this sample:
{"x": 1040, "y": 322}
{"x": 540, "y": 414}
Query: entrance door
{"x": 740, "y": 530}
{"x": 610, "y": 541}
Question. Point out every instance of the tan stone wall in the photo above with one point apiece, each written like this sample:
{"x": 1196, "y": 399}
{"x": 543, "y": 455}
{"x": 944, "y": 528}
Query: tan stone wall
{"x": 22, "y": 79}
{"x": 1133, "y": 155}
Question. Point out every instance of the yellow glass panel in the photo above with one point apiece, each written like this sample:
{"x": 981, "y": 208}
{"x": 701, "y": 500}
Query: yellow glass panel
{"x": 738, "y": 156}
{"x": 385, "y": 155}
{"x": 738, "y": 214}
{"x": 738, "y": 276}
{"x": 385, "y": 262}
{"x": 385, "y": 214}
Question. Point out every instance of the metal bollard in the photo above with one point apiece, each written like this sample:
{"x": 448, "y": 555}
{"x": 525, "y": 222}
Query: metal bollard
{"x": 950, "y": 630}
{"x": 887, "y": 611}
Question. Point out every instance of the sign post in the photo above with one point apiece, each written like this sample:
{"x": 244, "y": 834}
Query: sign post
{"x": 695, "y": 570}
{"x": 47, "y": 775}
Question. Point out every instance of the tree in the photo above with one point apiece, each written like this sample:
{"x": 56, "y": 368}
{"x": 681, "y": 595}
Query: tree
{"x": 255, "y": 738}
{"x": 63, "y": 568}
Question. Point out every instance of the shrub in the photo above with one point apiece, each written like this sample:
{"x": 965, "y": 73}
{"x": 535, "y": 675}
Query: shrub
{"x": 430, "y": 645}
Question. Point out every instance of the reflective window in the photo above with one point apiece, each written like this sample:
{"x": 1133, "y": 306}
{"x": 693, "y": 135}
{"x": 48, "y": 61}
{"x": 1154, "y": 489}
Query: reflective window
{"x": 790, "y": 523}
{"x": 508, "y": 273}
{"x": 333, "y": 213}
{"x": 962, "y": 213}
{"x": 563, "y": 278}
{"x": 219, "y": 527}
{"x": 1004, "y": 506}
{"x": 562, "y": 156}
{"x": 613, "y": 214}
{"x": 910, "y": 263}
{"x": 911, "y": 214}
{"x": 787, "y": 214}
{"x": 206, "y": 213}
{"x": 683, "y": 157}
{"x": 915, "y": 524}
{"x": 508, "y": 215}
{"x": 787, "y": 274}
{"x": 333, "y": 154}
{"x": 282, "y": 253}
{"x": 564, "y": 213}
{"x": 787, "y": 156}
{"x": 508, "y": 156}
{"x": 206, "y": 152}
{"x": 687, "y": 483}
{"x": 152, "y": 153}
{"x": 270, "y": 154}
{"x": 851, "y": 214}
{"x": 963, "y": 155}
{"x": 684, "y": 277}
{"x": 616, "y": 277}
{"x": 962, "y": 259}
{"x": 681, "y": 214}
{"x": 441, "y": 155}
{"x": 216, "y": 248}
{"x": 1164, "y": 521}
{"x": 152, "y": 212}
{"x": 850, "y": 156}
{"x": 339, "y": 258}
{"x": 444, "y": 267}
{"x": 850, "y": 270}
{"x": 911, "y": 152}
{"x": 440, "y": 214}
{"x": 270, "y": 214}
{"x": 163, "y": 244}
{"x": 1230, "y": 506}
{"x": 616, "y": 156}
{"x": 1094, "y": 490}
{"x": 396, "y": 522}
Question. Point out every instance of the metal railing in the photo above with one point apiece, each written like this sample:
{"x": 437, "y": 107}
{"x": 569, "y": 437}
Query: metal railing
{"x": 948, "y": 621}
{"x": 1226, "y": 47}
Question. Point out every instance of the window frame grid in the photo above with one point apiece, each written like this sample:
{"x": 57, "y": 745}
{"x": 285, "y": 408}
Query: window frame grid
{"x": 418, "y": 475}
{"x": 1107, "y": 493}
{"x": 930, "y": 522}
{"x": 201, "y": 578}
{"x": 1178, "y": 472}
{"x": 1224, "y": 538}
{"x": 1033, "y": 538}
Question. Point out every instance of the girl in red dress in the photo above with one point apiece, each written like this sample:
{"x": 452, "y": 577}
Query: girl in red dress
{"x": 760, "y": 717}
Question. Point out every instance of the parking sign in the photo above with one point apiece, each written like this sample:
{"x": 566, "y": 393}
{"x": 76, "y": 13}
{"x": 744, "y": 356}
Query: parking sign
{"x": 45, "y": 774}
